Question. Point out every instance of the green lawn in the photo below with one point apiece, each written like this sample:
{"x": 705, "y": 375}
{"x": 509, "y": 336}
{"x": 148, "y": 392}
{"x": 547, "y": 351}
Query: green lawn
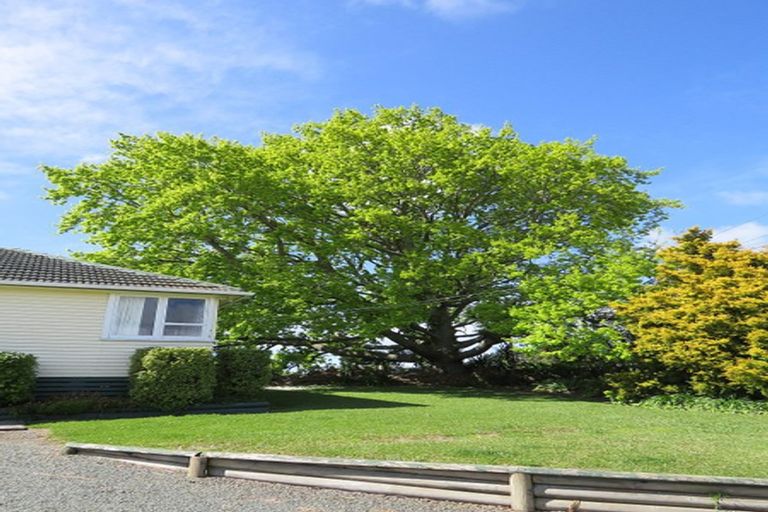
{"x": 459, "y": 426}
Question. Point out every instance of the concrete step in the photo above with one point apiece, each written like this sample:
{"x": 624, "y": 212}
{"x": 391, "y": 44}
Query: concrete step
{"x": 11, "y": 425}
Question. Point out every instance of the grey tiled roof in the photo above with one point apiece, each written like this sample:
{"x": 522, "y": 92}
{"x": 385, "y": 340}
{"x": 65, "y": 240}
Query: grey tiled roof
{"x": 33, "y": 269}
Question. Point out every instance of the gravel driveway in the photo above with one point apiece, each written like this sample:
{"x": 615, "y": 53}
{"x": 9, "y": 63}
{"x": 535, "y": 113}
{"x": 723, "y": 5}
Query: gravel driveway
{"x": 34, "y": 477}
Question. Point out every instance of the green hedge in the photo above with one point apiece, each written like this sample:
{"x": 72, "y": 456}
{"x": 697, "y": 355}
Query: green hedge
{"x": 242, "y": 371}
{"x": 17, "y": 377}
{"x": 705, "y": 403}
{"x": 172, "y": 379}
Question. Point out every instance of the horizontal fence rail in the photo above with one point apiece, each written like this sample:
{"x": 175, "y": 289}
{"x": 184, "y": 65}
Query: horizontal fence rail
{"x": 524, "y": 489}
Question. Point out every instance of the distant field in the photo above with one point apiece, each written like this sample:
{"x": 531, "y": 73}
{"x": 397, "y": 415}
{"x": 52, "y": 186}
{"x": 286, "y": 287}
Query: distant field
{"x": 451, "y": 425}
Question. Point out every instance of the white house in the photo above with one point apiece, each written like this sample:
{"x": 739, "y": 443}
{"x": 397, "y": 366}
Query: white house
{"x": 83, "y": 321}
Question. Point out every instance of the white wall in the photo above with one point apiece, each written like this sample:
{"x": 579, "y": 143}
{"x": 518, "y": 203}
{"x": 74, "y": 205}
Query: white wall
{"x": 63, "y": 328}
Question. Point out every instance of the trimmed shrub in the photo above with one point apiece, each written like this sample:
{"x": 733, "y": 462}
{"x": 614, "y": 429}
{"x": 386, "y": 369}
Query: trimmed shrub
{"x": 242, "y": 371}
{"x": 17, "y": 377}
{"x": 136, "y": 363}
{"x": 171, "y": 379}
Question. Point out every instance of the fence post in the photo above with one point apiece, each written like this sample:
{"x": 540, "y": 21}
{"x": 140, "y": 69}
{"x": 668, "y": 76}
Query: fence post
{"x": 521, "y": 492}
{"x": 197, "y": 466}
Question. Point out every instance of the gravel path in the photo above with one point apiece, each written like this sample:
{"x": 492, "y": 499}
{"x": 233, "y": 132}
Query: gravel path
{"x": 35, "y": 477}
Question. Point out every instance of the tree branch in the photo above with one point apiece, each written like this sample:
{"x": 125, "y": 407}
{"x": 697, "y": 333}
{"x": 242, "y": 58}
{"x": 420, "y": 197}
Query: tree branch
{"x": 410, "y": 344}
{"x": 219, "y": 247}
{"x": 489, "y": 341}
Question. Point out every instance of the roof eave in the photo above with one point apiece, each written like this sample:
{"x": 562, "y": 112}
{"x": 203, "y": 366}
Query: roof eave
{"x": 105, "y": 287}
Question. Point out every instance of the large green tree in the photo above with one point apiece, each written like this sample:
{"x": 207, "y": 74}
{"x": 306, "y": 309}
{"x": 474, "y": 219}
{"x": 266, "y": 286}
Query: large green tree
{"x": 402, "y": 236}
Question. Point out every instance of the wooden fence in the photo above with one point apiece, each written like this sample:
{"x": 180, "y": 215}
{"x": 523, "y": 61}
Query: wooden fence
{"x": 524, "y": 489}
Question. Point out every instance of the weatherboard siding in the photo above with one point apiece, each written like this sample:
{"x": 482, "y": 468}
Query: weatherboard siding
{"x": 64, "y": 330}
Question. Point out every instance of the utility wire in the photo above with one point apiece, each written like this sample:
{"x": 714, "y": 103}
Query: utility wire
{"x": 429, "y": 301}
{"x": 759, "y": 217}
{"x": 747, "y": 242}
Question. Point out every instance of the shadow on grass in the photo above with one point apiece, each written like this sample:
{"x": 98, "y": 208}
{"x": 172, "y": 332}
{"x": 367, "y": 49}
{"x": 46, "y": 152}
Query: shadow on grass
{"x": 327, "y": 398}
{"x": 132, "y": 412}
{"x": 510, "y": 394}
{"x": 324, "y": 397}
{"x": 284, "y": 400}
{"x": 275, "y": 401}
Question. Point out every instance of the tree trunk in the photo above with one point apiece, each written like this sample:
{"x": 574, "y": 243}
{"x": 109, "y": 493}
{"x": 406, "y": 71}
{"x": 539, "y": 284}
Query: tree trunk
{"x": 446, "y": 348}
{"x": 456, "y": 373}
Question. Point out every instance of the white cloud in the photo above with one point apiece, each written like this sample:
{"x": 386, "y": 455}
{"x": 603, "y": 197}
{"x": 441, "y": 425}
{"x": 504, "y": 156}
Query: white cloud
{"x": 456, "y": 9}
{"x": 74, "y": 73}
{"x": 750, "y": 234}
{"x": 94, "y": 158}
{"x": 453, "y": 9}
{"x": 746, "y": 198}
{"x": 661, "y": 237}
{"x": 13, "y": 169}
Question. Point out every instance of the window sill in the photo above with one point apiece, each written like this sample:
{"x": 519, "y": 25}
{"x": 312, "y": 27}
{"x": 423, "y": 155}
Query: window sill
{"x": 179, "y": 339}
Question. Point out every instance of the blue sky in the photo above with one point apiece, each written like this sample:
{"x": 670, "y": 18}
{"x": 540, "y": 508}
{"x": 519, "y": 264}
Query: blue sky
{"x": 672, "y": 84}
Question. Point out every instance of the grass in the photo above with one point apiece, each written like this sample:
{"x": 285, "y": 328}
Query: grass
{"x": 469, "y": 426}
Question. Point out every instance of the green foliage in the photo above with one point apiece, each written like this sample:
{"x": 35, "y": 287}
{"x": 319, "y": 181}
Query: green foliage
{"x": 552, "y": 386}
{"x": 297, "y": 361}
{"x": 365, "y": 373}
{"x": 171, "y": 379}
{"x": 634, "y": 384}
{"x": 70, "y": 405}
{"x": 17, "y": 377}
{"x": 563, "y": 316}
{"x": 242, "y": 371}
{"x": 136, "y": 364}
{"x": 498, "y": 367}
{"x": 379, "y": 236}
{"x": 583, "y": 376}
{"x": 703, "y": 403}
{"x": 702, "y": 326}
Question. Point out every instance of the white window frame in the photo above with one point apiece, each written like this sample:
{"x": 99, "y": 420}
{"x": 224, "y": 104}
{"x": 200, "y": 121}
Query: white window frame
{"x": 210, "y": 311}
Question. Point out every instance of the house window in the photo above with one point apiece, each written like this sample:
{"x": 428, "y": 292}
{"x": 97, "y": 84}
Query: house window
{"x": 135, "y": 316}
{"x": 184, "y": 317}
{"x": 163, "y": 318}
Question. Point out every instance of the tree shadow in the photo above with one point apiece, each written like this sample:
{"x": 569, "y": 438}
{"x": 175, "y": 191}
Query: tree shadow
{"x": 326, "y": 398}
{"x": 285, "y": 400}
{"x": 509, "y": 394}
{"x": 513, "y": 395}
{"x": 275, "y": 401}
{"x": 132, "y": 412}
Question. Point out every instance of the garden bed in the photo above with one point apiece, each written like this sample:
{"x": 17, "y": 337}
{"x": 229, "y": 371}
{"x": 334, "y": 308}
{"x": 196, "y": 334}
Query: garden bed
{"x": 94, "y": 408}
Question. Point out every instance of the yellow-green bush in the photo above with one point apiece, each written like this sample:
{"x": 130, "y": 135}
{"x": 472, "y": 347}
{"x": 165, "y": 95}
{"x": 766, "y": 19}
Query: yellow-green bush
{"x": 702, "y": 327}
